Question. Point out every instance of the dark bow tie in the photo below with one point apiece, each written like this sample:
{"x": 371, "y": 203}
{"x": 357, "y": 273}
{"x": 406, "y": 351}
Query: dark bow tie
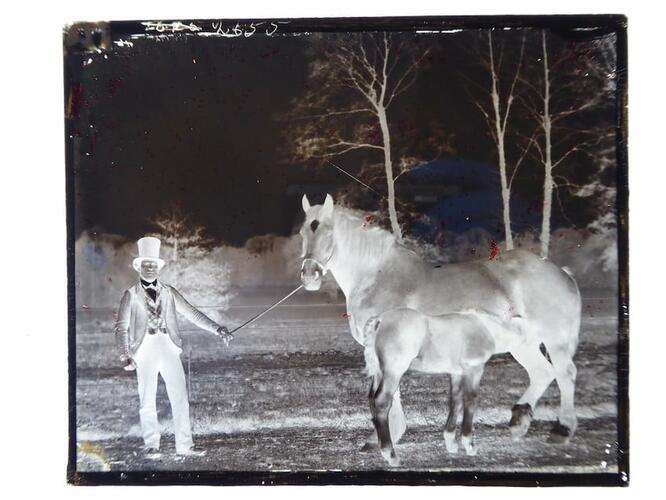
{"x": 149, "y": 286}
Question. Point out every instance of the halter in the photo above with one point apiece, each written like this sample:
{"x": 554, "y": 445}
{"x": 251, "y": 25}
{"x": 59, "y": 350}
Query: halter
{"x": 323, "y": 266}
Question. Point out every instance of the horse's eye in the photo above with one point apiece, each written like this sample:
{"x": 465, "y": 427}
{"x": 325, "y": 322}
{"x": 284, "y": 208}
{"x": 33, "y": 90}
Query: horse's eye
{"x": 314, "y": 225}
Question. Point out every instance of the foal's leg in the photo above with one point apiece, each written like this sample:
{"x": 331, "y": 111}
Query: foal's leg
{"x": 565, "y": 373}
{"x": 380, "y": 406}
{"x": 455, "y": 404}
{"x": 372, "y": 442}
{"x": 471, "y": 381}
{"x": 541, "y": 374}
{"x": 397, "y": 422}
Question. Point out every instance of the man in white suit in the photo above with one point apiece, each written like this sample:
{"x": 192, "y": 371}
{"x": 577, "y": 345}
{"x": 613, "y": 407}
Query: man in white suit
{"x": 148, "y": 337}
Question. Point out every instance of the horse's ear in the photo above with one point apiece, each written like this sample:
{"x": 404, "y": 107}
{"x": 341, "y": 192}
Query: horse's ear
{"x": 327, "y": 209}
{"x": 305, "y": 202}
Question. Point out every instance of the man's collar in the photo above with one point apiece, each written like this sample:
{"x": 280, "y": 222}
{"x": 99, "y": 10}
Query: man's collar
{"x": 145, "y": 283}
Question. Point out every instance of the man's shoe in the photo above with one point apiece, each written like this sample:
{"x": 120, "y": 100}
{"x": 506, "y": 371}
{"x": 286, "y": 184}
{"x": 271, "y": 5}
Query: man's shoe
{"x": 193, "y": 451}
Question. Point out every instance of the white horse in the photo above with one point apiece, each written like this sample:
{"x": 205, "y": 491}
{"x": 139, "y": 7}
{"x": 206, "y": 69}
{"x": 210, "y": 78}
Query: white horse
{"x": 459, "y": 344}
{"x": 378, "y": 274}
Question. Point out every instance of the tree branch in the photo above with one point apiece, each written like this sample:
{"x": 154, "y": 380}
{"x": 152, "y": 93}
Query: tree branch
{"x": 513, "y": 84}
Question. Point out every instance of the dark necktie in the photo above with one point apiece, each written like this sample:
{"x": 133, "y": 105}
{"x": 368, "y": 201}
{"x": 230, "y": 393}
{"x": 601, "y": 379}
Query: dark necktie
{"x": 150, "y": 288}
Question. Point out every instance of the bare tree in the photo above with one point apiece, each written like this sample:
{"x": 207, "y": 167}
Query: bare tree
{"x": 354, "y": 81}
{"x": 176, "y": 229}
{"x": 566, "y": 96}
{"x": 496, "y": 113}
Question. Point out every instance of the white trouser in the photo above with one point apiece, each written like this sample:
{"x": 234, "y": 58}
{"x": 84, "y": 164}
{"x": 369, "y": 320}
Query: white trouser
{"x": 159, "y": 355}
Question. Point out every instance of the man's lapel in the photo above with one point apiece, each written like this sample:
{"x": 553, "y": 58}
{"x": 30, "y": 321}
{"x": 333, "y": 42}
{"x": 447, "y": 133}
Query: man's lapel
{"x": 141, "y": 294}
{"x": 160, "y": 297}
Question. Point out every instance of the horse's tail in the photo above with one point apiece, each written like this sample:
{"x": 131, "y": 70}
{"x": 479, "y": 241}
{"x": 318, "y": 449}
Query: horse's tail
{"x": 372, "y": 367}
{"x": 575, "y": 331}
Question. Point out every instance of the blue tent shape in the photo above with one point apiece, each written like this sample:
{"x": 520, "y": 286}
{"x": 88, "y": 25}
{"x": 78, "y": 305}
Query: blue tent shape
{"x": 458, "y": 195}
{"x": 472, "y": 176}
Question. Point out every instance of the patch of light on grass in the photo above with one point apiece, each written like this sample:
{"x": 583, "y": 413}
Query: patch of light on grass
{"x": 210, "y": 425}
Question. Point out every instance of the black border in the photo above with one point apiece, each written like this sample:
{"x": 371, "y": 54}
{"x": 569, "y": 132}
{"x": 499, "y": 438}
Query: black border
{"x": 562, "y": 23}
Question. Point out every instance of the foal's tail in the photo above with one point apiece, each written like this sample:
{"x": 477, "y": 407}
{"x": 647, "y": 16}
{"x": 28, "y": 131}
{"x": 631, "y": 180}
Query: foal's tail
{"x": 372, "y": 367}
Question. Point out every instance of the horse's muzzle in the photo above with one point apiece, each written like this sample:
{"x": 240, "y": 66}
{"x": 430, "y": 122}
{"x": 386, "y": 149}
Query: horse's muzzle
{"x": 311, "y": 275}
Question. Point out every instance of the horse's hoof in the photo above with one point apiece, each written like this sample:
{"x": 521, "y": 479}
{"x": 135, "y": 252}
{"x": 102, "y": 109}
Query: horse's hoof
{"x": 450, "y": 442}
{"x": 369, "y": 447}
{"x": 470, "y": 449}
{"x": 391, "y": 458}
{"x": 521, "y": 418}
{"x": 560, "y": 434}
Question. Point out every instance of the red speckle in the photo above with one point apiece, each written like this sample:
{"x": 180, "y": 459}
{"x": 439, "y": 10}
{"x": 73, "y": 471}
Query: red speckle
{"x": 273, "y": 52}
{"x": 114, "y": 85}
{"x": 494, "y": 250}
{"x": 368, "y": 219}
{"x": 75, "y": 100}
{"x": 108, "y": 278}
{"x": 346, "y": 315}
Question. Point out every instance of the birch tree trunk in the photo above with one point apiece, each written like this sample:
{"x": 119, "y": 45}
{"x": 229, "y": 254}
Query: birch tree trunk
{"x": 506, "y": 195}
{"x": 388, "y": 167}
{"x": 500, "y": 120}
{"x": 358, "y": 80}
{"x": 548, "y": 162}
{"x": 499, "y": 131}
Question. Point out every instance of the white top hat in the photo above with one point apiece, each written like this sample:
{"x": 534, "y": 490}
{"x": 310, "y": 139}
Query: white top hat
{"x": 149, "y": 249}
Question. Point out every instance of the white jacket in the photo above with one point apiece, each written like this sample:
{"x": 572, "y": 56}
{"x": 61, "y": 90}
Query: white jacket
{"x": 132, "y": 321}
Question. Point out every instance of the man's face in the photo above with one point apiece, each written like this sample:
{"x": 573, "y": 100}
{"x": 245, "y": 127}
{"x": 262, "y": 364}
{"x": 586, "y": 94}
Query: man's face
{"x": 149, "y": 270}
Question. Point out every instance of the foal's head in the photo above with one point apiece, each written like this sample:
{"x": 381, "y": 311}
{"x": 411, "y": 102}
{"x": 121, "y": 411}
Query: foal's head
{"x": 318, "y": 245}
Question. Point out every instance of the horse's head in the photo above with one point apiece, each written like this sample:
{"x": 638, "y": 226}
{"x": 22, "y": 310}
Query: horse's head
{"x": 318, "y": 244}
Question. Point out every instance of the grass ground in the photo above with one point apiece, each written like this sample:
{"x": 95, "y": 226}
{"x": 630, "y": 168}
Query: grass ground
{"x": 290, "y": 394}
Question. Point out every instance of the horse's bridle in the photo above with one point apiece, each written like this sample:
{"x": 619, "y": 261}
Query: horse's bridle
{"x": 324, "y": 266}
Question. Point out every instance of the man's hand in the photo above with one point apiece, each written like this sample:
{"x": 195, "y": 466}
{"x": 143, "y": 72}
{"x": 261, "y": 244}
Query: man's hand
{"x": 129, "y": 364}
{"x": 223, "y": 333}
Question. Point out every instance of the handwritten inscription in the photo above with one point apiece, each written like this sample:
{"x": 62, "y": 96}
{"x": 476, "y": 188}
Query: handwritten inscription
{"x": 174, "y": 27}
{"x": 217, "y": 28}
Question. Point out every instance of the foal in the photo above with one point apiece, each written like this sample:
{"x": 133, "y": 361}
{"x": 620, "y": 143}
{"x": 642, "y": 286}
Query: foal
{"x": 458, "y": 344}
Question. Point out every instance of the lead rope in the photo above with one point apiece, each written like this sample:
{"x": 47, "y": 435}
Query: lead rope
{"x": 251, "y": 320}
{"x": 257, "y": 316}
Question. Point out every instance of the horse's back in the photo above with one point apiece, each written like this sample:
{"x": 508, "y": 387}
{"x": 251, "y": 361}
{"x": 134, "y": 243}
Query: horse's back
{"x": 516, "y": 283}
{"x": 463, "y": 335}
{"x": 447, "y": 343}
{"x": 402, "y": 327}
{"x": 549, "y": 296}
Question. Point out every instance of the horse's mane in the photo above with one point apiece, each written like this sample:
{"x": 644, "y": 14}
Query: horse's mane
{"x": 359, "y": 236}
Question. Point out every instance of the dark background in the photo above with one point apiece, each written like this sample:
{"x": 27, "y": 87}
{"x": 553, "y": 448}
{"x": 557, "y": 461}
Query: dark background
{"x": 198, "y": 121}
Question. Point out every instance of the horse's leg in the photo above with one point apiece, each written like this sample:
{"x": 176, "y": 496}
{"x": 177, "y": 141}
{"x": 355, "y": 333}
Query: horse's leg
{"x": 565, "y": 373}
{"x": 381, "y": 406}
{"x": 455, "y": 404}
{"x": 372, "y": 443}
{"x": 471, "y": 381}
{"x": 541, "y": 374}
{"x": 397, "y": 420}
